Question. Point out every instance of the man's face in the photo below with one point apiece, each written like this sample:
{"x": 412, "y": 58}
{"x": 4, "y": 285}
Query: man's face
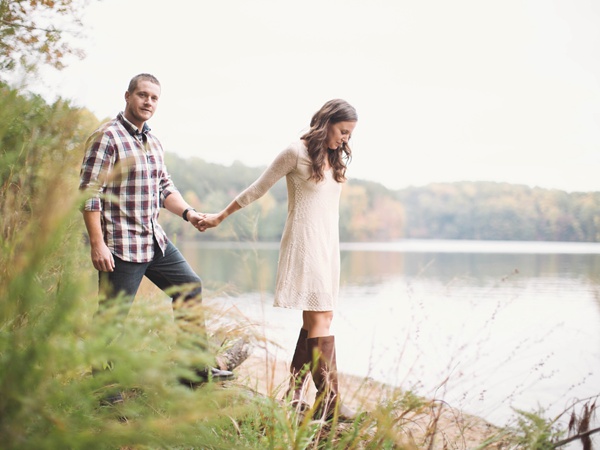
{"x": 141, "y": 104}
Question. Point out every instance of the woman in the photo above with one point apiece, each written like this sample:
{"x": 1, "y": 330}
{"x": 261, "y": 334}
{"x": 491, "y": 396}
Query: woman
{"x": 308, "y": 271}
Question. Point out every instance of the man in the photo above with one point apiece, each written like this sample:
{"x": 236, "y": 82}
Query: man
{"x": 124, "y": 168}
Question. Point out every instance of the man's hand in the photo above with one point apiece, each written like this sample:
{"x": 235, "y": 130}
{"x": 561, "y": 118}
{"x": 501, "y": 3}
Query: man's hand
{"x": 194, "y": 217}
{"x": 102, "y": 258}
{"x": 209, "y": 221}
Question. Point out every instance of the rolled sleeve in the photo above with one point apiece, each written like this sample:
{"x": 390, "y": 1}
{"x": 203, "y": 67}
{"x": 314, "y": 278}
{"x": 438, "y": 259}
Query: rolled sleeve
{"x": 97, "y": 163}
{"x": 167, "y": 187}
{"x": 92, "y": 204}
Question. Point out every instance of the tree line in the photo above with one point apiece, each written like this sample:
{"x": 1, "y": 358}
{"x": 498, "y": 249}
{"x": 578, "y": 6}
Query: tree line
{"x": 371, "y": 212}
{"x": 368, "y": 210}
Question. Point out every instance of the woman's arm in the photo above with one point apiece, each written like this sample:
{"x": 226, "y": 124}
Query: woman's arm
{"x": 212, "y": 220}
{"x": 283, "y": 164}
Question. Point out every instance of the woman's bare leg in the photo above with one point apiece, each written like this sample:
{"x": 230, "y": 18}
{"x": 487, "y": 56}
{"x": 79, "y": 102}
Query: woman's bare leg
{"x": 317, "y": 323}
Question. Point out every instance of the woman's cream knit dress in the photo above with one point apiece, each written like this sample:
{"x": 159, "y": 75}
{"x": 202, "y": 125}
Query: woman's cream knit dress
{"x": 308, "y": 273}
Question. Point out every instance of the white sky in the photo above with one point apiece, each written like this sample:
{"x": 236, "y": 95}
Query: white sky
{"x": 446, "y": 90}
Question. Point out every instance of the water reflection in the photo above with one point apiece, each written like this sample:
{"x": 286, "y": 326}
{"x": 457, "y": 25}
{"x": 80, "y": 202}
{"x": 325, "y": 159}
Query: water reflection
{"x": 232, "y": 268}
{"x": 252, "y": 267}
{"x": 509, "y": 330}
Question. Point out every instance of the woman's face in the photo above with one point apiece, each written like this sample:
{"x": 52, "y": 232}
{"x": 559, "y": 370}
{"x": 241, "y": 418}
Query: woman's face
{"x": 339, "y": 133}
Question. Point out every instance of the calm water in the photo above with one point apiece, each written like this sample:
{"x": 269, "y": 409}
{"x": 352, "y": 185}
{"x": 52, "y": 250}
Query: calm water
{"x": 508, "y": 325}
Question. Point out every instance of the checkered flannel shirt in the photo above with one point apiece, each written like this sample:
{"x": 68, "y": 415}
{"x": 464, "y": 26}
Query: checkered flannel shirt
{"x": 125, "y": 171}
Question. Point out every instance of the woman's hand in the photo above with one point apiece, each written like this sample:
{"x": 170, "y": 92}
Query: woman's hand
{"x": 208, "y": 221}
{"x": 213, "y": 220}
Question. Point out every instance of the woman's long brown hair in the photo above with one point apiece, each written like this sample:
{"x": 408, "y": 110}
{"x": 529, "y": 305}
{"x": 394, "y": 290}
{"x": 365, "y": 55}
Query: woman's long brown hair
{"x": 333, "y": 111}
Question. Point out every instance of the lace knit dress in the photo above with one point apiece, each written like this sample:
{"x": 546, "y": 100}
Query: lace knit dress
{"x": 308, "y": 272}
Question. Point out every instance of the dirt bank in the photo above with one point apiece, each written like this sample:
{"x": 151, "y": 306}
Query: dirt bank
{"x": 451, "y": 428}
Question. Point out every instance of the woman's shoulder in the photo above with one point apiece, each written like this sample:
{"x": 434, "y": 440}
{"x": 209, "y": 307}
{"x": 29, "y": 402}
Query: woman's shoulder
{"x": 293, "y": 152}
{"x": 296, "y": 147}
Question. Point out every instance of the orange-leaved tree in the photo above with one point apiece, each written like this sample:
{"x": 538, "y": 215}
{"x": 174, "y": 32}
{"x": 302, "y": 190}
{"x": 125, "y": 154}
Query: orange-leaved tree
{"x": 34, "y": 32}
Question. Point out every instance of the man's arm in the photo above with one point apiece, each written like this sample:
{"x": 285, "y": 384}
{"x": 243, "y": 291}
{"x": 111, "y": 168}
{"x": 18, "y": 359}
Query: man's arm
{"x": 97, "y": 164}
{"x": 175, "y": 203}
{"x": 102, "y": 258}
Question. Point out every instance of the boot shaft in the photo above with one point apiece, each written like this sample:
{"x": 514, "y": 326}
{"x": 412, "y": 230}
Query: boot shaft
{"x": 301, "y": 355}
{"x": 299, "y": 368}
{"x": 324, "y": 364}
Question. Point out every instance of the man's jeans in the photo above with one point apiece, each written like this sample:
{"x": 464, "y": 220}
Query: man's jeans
{"x": 166, "y": 271}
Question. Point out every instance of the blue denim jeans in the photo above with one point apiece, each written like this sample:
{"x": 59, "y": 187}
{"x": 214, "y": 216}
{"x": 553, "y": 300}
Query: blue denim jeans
{"x": 168, "y": 272}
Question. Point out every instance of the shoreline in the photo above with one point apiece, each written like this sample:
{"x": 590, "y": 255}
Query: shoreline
{"x": 268, "y": 375}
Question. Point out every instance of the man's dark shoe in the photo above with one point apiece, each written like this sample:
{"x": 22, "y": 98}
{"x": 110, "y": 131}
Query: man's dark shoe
{"x": 214, "y": 374}
{"x": 207, "y": 375}
{"x": 111, "y": 399}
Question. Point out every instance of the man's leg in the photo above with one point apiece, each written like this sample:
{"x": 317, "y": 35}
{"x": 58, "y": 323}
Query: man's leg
{"x": 172, "y": 273}
{"x": 120, "y": 286}
{"x": 117, "y": 289}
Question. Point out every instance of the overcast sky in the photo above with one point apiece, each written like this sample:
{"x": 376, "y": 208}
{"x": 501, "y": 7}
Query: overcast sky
{"x": 446, "y": 90}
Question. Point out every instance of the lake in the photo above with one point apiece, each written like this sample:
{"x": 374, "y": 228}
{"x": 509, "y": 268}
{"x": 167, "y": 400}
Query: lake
{"x": 507, "y": 324}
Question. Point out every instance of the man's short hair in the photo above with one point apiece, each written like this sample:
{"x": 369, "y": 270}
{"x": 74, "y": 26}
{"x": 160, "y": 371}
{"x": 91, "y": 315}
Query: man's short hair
{"x": 142, "y": 76}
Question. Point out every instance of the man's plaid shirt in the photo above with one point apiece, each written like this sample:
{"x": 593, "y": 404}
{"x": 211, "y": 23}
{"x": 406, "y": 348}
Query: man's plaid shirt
{"x": 125, "y": 171}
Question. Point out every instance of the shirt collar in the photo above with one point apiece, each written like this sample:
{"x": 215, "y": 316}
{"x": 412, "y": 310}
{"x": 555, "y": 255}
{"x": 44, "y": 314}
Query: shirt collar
{"x": 131, "y": 128}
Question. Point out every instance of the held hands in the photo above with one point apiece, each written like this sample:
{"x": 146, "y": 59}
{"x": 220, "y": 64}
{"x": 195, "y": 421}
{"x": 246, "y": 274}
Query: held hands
{"x": 194, "y": 217}
{"x": 203, "y": 221}
{"x": 208, "y": 221}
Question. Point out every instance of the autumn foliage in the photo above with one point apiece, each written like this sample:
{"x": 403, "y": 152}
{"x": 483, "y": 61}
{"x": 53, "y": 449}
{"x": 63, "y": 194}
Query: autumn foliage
{"x": 30, "y": 33}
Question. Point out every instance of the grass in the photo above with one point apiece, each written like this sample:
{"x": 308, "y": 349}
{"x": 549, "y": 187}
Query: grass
{"x": 49, "y": 342}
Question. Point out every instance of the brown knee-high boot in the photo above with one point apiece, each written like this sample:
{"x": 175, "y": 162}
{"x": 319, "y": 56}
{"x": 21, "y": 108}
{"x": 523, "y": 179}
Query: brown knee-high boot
{"x": 299, "y": 370}
{"x": 324, "y": 372}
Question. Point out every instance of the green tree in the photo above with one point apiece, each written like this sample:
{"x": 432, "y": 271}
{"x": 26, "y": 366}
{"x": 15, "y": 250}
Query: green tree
{"x": 499, "y": 211}
{"x": 35, "y": 136}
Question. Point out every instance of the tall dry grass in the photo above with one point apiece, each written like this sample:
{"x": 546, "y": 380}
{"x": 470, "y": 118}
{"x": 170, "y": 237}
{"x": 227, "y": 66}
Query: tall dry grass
{"x": 49, "y": 339}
